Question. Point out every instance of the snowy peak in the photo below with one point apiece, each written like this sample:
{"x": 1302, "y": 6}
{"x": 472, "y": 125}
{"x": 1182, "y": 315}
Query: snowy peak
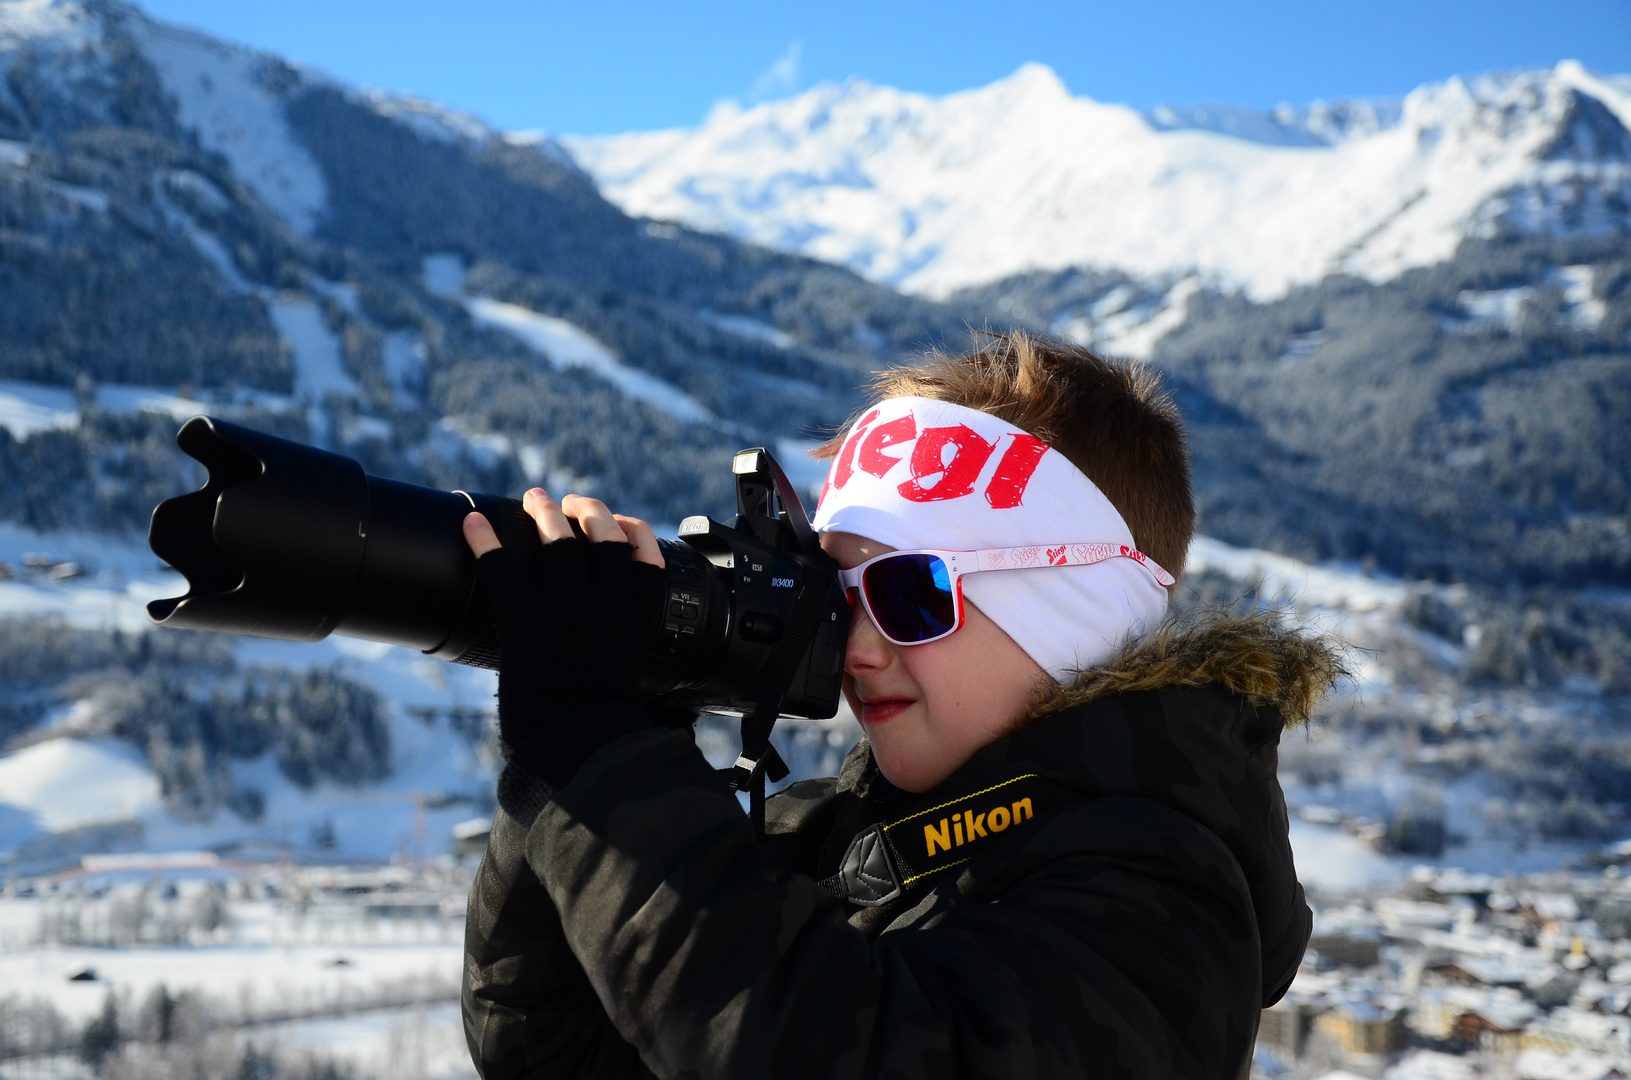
{"x": 75, "y": 65}
{"x": 46, "y": 21}
{"x": 1320, "y": 124}
{"x": 1589, "y": 132}
{"x": 933, "y": 194}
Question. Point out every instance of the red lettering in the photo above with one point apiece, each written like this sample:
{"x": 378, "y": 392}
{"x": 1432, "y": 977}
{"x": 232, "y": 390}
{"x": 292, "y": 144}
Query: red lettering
{"x": 1014, "y": 471}
{"x": 870, "y": 458}
{"x": 957, "y": 473}
{"x": 839, "y": 475}
{"x": 1056, "y": 556}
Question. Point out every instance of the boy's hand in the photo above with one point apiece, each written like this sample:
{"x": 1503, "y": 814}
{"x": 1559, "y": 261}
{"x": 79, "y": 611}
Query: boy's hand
{"x": 554, "y": 522}
{"x": 574, "y": 623}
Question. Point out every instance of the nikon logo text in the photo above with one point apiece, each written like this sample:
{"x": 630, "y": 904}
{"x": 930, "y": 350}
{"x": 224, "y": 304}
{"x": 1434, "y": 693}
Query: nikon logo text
{"x": 967, "y": 826}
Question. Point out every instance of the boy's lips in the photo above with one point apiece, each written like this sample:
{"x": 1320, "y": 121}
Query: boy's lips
{"x": 881, "y": 709}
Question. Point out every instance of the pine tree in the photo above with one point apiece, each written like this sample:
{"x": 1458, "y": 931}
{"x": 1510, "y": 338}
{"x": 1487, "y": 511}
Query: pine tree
{"x": 102, "y": 1036}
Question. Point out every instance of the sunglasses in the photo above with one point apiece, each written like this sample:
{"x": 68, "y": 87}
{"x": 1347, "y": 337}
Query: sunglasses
{"x": 915, "y": 597}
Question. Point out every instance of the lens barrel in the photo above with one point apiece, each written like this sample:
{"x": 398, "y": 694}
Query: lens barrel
{"x": 288, "y": 541}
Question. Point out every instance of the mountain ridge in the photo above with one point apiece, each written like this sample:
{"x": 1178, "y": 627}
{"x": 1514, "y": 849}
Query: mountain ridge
{"x": 921, "y": 192}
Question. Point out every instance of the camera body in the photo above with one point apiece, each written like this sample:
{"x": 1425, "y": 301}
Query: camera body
{"x": 288, "y": 541}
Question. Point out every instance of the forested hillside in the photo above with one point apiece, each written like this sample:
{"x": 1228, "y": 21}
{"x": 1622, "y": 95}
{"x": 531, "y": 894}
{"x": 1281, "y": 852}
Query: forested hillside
{"x": 137, "y": 251}
{"x": 1469, "y": 421}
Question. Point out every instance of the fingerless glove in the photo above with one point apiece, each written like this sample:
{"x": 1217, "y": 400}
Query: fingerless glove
{"x": 575, "y": 623}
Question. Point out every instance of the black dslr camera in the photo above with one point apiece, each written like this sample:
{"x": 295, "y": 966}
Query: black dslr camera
{"x": 288, "y": 541}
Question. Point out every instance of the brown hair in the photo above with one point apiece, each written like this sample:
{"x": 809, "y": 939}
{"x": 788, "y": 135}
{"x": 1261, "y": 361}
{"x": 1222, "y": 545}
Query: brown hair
{"x": 1112, "y": 419}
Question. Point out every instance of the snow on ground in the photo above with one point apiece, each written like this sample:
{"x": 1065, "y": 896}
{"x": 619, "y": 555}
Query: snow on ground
{"x": 378, "y": 821}
{"x": 70, "y": 783}
{"x": 147, "y": 399}
{"x": 318, "y": 370}
{"x": 117, "y": 579}
{"x": 1432, "y": 1065}
{"x": 558, "y": 341}
{"x": 206, "y": 243}
{"x": 1363, "y": 610}
{"x": 1537, "y": 1064}
{"x": 565, "y": 345}
{"x": 1585, "y": 311}
{"x": 403, "y": 356}
{"x": 1492, "y": 307}
{"x": 421, "y": 1041}
{"x": 255, "y": 978}
{"x": 1289, "y": 580}
{"x": 1330, "y": 858}
{"x": 924, "y": 193}
{"x": 89, "y": 198}
{"x": 383, "y": 819}
{"x": 33, "y": 20}
{"x": 222, "y": 94}
{"x": 754, "y": 329}
{"x": 427, "y": 119}
{"x": 1134, "y": 331}
{"x": 27, "y": 408}
{"x": 30, "y": 407}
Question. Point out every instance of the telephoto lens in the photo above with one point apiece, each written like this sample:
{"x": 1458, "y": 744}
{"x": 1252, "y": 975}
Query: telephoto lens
{"x": 288, "y": 541}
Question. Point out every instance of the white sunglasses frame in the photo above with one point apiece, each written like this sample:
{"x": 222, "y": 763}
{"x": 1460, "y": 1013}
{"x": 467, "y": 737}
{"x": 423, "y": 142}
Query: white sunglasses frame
{"x": 980, "y": 560}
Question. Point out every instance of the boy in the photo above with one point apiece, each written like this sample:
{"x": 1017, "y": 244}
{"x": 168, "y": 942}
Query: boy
{"x": 1061, "y": 849}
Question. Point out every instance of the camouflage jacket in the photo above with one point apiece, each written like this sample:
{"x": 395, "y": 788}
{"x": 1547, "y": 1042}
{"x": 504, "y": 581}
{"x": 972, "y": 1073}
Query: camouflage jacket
{"x": 1108, "y": 891}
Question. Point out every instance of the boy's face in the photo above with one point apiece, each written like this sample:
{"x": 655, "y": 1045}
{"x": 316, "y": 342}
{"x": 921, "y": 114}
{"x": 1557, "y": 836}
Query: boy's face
{"x": 928, "y": 708}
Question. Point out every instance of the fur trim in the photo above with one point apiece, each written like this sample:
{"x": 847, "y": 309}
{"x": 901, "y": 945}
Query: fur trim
{"x": 1256, "y": 656}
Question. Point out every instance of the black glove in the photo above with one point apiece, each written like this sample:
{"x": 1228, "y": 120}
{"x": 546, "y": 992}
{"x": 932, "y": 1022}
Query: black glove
{"x": 576, "y": 620}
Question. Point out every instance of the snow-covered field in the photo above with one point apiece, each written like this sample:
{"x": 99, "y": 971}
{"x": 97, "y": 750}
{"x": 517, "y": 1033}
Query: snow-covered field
{"x": 359, "y": 964}
{"x": 420, "y": 1042}
{"x": 70, "y": 782}
{"x": 259, "y": 981}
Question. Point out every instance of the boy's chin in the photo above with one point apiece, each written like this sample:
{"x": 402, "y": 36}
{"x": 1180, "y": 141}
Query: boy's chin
{"x": 906, "y": 770}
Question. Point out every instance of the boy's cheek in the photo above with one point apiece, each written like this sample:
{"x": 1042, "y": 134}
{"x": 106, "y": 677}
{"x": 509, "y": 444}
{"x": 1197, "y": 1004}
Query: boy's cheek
{"x": 851, "y": 696}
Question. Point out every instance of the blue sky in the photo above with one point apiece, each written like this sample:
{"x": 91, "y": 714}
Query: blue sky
{"x": 620, "y": 65}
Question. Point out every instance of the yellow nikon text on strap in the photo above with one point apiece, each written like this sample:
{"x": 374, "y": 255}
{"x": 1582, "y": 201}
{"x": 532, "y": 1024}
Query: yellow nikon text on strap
{"x": 951, "y": 831}
{"x": 957, "y": 823}
{"x": 883, "y": 860}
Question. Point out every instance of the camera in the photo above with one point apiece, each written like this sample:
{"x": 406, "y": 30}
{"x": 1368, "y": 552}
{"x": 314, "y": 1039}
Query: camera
{"x": 289, "y": 541}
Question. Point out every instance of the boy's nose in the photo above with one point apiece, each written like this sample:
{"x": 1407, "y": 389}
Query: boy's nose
{"x": 867, "y": 650}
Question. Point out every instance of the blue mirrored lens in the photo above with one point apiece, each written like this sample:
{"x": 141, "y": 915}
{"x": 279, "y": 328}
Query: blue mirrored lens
{"x": 911, "y": 597}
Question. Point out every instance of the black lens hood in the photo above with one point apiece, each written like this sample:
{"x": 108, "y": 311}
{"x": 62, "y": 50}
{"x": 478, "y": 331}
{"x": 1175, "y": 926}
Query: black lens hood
{"x": 271, "y": 545}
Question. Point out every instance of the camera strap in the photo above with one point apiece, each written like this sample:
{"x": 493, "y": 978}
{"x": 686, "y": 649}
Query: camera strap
{"x": 885, "y": 861}
{"x": 758, "y": 758}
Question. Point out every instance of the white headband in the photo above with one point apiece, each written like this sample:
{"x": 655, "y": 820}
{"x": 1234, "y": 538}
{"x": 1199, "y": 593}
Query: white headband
{"x": 920, "y": 473}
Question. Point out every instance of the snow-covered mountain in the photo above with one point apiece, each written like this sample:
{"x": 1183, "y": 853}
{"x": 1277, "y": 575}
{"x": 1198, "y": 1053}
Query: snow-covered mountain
{"x": 934, "y": 194}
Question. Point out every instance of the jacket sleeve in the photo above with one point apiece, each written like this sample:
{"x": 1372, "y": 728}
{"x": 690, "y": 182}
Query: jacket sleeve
{"x": 1123, "y": 943}
{"x": 529, "y": 1010}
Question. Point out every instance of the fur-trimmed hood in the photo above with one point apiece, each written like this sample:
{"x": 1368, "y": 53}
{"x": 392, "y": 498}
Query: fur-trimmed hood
{"x": 1256, "y": 656}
